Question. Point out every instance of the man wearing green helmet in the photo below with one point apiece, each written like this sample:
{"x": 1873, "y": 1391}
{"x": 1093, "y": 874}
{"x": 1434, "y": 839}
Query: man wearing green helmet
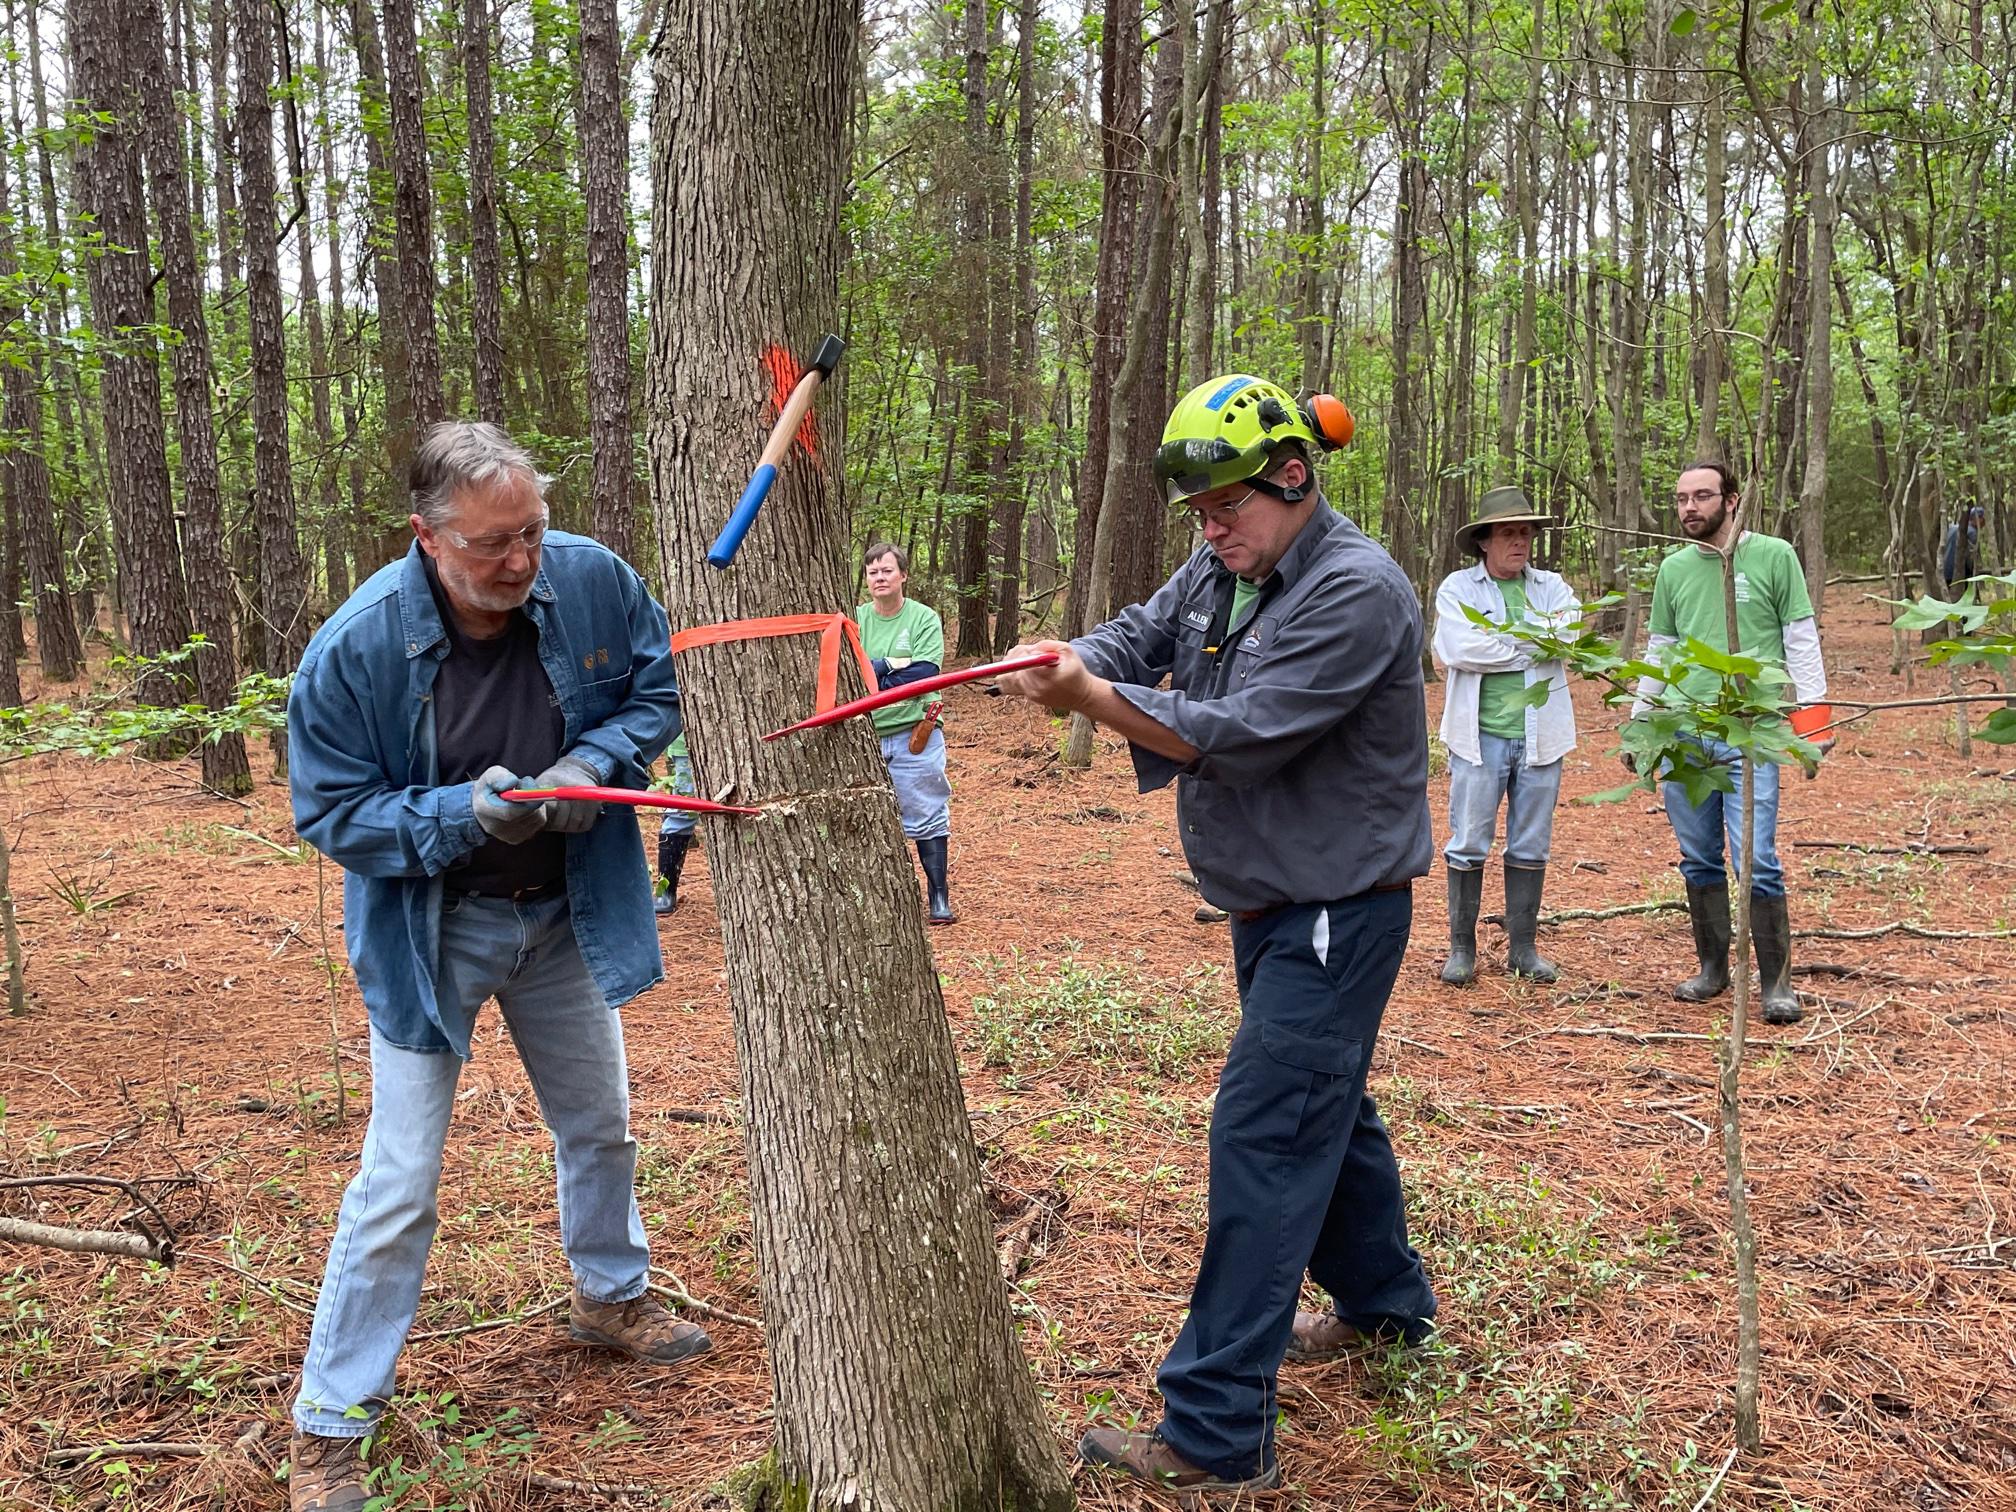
{"x": 1295, "y": 728}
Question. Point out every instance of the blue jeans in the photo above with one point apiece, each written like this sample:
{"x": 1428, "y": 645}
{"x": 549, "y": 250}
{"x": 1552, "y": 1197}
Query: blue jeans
{"x": 1476, "y": 789}
{"x": 1302, "y": 1175}
{"x": 571, "y": 1044}
{"x": 923, "y": 791}
{"x": 680, "y": 821}
{"x": 1700, "y": 830}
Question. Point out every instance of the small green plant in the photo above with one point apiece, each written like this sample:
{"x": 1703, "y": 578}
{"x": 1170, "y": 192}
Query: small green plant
{"x": 1036, "y": 1015}
{"x": 87, "y": 898}
{"x": 300, "y": 853}
{"x": 437, "y": 1462}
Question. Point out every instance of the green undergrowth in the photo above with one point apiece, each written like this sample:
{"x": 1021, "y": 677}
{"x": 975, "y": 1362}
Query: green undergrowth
{"x": 1036, "y": 1014}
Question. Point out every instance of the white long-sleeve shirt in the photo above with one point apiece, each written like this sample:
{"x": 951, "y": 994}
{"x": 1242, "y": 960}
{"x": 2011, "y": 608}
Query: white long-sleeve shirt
{"x": 1468, "y": 652}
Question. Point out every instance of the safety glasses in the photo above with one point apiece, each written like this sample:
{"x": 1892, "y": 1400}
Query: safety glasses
{"x": 494, "y": 547}
{"x": 1188, "y": 468}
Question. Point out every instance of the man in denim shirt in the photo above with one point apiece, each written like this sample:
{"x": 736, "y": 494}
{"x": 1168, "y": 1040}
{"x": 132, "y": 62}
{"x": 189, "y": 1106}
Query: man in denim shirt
{"x": 1295, "y": 728}
{"x": 494, "y": 655}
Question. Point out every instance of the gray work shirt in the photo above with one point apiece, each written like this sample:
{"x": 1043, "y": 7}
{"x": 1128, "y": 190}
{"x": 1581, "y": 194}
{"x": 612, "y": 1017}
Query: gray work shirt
{"x": 1311, "y": 782}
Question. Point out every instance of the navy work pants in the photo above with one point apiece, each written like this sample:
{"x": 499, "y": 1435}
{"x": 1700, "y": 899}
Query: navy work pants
{"x": 1302, "y": 1175}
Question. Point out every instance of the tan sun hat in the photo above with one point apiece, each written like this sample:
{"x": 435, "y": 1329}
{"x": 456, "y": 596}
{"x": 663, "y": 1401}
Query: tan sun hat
{"x": 1506, "y": 505}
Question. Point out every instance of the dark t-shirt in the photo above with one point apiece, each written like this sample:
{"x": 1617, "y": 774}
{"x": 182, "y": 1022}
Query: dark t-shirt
{"x": 494, "y": 706}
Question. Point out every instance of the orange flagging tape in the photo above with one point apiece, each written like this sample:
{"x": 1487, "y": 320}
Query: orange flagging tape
{"x": 830, "y": 628}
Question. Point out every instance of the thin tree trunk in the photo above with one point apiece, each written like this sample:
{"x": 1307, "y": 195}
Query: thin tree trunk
{"x": 982, "y": 411}
{"x": 328, "y": 497}
{"x": 413, "y": 210}
{"x": 1015, "y": 497}
{"x": 486, "y": 258}
{"x": 283, "y": 586}
{"x": 344, "y": 351}
{"x": 395, "y": 367}
{"x": 914, "y": 1396}
{"x": 605, "y": 188}
{"x": 225, "y": 766}
{"x": 1821, "y": 217}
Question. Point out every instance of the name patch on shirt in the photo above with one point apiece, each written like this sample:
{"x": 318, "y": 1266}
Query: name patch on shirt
{"x": 1197, "y": 619}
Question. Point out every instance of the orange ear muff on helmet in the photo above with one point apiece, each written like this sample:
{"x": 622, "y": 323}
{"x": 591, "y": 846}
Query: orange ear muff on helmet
{"x": 1329, "y": 419}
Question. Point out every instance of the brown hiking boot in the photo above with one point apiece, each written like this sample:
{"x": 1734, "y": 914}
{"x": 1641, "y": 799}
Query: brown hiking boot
{"x": 643, "y": 1328}
{"x": 1325, "y": 1336}
{"x": 325, "y": 1474}
{"x": 1147, "y": 1457}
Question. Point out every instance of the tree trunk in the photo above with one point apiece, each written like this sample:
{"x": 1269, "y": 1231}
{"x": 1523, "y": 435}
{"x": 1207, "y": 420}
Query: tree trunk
{"x": 1405, "y": 486}
{"x": 605, "y": 189}
{"x": 413, "y": 211}
{"x": 1015, "y": 497}
{"x": 345, "y": 352}
{"x": 153, "y": 592}
{"x": 981, "y": 483}
{"x": 225, "y": 767}
{"x": 1821, "y": 217}
{"x": 56, "y": 643}
{"x": 283, "y": 586}
{"x": 401, "y": 423}
{"x": 486, "y": 258}
{"x": 1120, "y": 152}
{"x": 1715, "y": 316}
{"x": 914, "y": 1396}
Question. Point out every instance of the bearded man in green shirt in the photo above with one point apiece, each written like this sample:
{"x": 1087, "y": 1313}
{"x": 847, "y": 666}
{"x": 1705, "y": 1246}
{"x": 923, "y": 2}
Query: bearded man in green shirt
{"x": 905, "y": 642}
{"x": 1774, "y": 619}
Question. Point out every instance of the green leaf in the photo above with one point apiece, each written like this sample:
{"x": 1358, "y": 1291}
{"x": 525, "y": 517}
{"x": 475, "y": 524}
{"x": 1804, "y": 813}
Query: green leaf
{"x": 1773, "y": 12}
{"x": 1684, "y": 22}
{"x": 1616, "y": 794}
{"x": 1721, "y": 662}
{"x": 2000, "y": 729}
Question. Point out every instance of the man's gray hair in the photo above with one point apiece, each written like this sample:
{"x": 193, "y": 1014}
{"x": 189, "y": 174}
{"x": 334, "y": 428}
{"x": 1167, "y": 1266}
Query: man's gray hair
{"x": 458, "y": 454}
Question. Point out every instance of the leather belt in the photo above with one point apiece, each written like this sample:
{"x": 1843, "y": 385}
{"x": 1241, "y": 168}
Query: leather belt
{"x": 522, "y": 895}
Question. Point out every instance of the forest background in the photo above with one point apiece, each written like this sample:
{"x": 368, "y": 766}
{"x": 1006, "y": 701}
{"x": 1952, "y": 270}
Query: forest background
{"x": 250, "y": 246}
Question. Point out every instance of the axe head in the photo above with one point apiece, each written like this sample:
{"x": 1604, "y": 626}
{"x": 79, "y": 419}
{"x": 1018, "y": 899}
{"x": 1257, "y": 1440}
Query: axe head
{"x": 827, "y": 356}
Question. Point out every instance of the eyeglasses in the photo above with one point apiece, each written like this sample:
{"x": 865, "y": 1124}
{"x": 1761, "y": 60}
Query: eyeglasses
{"x": 1699, "y": 496}
{"x": 492, "y": 547}
{"x": 1221, "y": 514}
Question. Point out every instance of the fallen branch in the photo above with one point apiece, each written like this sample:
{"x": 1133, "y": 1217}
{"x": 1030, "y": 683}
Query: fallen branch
{"x": 144, "y": 1449}
{"x": 510, "y": 1321}
{"x": 694, "y": 1116}
{"x": 678, "y": 1296}
{"x": 1917, "y": 932}
{"x": 85, "y": 1241}
{"x": 1862, "y": 849}
{"x": 1570, "y": 915}
{"x": 610, "y": 1489}
{"x": 1662, "y": 1036}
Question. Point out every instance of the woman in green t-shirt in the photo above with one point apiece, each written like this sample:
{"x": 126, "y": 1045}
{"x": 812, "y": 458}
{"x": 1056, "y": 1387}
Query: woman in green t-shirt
{"x": 905, "y": 642}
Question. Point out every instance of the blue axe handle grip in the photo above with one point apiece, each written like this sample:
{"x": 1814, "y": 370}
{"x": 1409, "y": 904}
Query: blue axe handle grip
{"x": 722, "y": 553}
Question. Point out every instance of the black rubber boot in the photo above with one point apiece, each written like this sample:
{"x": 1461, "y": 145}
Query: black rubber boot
{"x": 1708, "y": 907}
{"x": 931, "y": 855}
{"x": 1466, "y": 892}
{"x": 1771, "y": 939}
{"x": 671, "y": 861}
{"x": 1523, "y": 886}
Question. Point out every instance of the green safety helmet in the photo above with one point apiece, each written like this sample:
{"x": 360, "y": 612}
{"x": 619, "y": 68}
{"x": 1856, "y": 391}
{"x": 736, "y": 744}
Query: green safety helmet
{"x": 1227, "y": 430}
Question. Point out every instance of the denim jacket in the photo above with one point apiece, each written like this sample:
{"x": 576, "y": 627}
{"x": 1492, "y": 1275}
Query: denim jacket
{"x": 364, "y": 772}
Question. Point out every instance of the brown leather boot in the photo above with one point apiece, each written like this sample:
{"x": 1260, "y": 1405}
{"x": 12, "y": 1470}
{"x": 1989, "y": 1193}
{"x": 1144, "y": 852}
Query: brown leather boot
{"x": 1147, "y": 1457}
{"x": 1319, "y": 1336}
{"x": 325, "y": 1474}
{"x": 643, "y": 1328}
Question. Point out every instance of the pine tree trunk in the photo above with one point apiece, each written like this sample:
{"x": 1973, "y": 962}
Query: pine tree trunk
{"x": 388, "y": 285}
{"x": 344, "y": 352}
{"x": 486, "y": 258}
{"x": 605, "y": 190}
{"x": 413, "y": 211}
{"x": 1120, "y": 148}
{"x": 225, "y": 766}
{"x": 981, "y": 481}
{"x": 153, "y": 592}
{"x": 1015, "y": 495}
{"x": 330, "y": 524}
{"x": 913, "y": 1396}
{"x": 283, "y": 580}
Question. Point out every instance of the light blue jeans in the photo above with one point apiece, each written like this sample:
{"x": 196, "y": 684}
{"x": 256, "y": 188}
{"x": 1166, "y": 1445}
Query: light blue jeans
{"x": 923, "y": 791}
{"x": 571, "y": 1044}
{"x": 1700, "y": 830}
{"x": 680, "y": 821}
{"x": 1477, "y": 788}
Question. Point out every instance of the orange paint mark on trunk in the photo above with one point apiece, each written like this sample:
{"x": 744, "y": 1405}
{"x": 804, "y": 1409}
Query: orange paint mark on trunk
{"x": 784, "y": 375}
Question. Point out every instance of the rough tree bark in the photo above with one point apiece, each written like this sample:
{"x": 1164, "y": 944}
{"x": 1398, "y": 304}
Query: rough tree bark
{"x": 282, "y": 593}
{"x": 486, "y": 258}
{"x": 1015, "y": 498}
{"x": 413, "y": 211}
{"x": 225, "y": 767}
{"x": 153, "y": 591}
{"x": 982, "y": 407}
{"x": 864, "y": 1182}
{"x": 605, "y": 189}
{"x": 1120, "y": 149}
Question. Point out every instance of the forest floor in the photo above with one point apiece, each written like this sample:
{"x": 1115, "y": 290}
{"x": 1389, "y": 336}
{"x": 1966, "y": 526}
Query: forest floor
{"x": 1557, "y": 1143}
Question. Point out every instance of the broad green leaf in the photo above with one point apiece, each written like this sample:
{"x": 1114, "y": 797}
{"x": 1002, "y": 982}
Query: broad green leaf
{"x": 1684, "y": 22}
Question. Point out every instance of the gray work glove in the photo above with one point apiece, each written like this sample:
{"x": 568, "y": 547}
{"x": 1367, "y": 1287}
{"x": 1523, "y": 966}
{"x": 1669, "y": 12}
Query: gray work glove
{"x": 500, "y": 819}
{"x": 569, "y": 818}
